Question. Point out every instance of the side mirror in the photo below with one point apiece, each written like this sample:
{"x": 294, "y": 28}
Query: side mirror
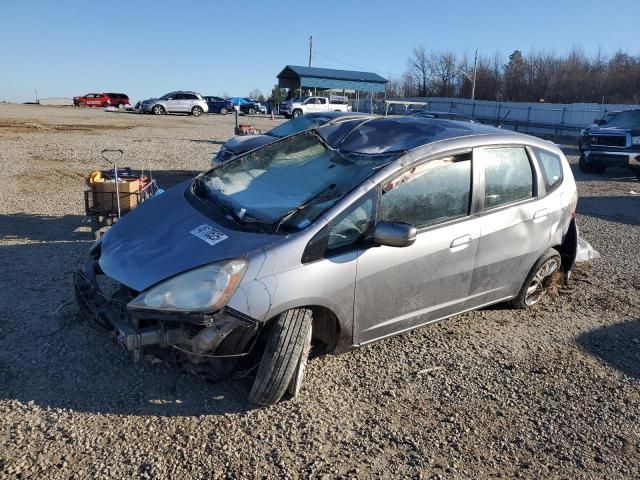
{"x": 394, "y": 234}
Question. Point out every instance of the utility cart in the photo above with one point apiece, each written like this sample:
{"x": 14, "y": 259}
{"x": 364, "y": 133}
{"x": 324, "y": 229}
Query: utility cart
{"x": 114, "y": 192}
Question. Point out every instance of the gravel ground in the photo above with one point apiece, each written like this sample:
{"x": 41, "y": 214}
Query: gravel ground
{"x": 548, "y": 393}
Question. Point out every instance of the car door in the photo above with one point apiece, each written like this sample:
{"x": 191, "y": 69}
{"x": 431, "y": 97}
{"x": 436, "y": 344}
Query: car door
{"x": 515, "y": 229}
{"x": 323, "y": 104}
{"x": 178, "y": 103}
{"x": 311, "y": 105}
{"x": 400, "y": 288}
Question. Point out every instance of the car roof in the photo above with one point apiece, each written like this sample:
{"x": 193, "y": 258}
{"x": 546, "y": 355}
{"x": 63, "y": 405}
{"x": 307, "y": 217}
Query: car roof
{"x": 404, "y": 133}
{"x": 333, "y": 115}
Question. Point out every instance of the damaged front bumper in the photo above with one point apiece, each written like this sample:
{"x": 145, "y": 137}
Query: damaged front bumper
{"x": 226, "y": 333}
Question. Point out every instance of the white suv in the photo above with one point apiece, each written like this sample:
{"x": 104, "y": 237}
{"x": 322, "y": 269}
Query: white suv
{"x": 176, "y": 102}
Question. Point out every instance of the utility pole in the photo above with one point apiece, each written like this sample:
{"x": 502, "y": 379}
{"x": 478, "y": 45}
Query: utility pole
{"x": 310, "y": 48}
{"x": 470, "y": 78}
{"x": 475, "y": 71}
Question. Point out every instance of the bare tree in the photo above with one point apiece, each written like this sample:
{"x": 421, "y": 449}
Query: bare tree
{"x": 444, "y": 69}
{"x": 255, "y": 93}
{"x": 537, "y": 75}
{"x": 419, "y": 70}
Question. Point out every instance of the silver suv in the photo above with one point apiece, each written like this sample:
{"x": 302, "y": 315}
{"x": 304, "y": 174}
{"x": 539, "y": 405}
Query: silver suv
{"x": 176, "y": 102}
{"x": 308, "y": 240}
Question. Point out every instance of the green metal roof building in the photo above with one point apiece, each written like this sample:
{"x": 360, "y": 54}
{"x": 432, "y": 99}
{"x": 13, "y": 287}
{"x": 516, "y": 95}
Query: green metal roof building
{"x": 298, "y": 78}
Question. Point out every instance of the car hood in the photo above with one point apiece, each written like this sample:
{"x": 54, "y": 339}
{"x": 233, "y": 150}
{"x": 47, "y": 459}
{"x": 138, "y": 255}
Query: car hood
{"x": 244, "y": 143}
{"x": 155, "y": 241}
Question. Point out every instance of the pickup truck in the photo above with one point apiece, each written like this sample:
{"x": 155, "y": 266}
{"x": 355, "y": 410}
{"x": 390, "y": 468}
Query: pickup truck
{"x": 302, "y": 105}
{"x": 613, "y": 141}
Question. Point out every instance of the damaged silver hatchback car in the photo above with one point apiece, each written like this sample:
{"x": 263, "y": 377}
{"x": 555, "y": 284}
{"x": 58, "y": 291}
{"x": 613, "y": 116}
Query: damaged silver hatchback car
{"x": 403, "y": 222}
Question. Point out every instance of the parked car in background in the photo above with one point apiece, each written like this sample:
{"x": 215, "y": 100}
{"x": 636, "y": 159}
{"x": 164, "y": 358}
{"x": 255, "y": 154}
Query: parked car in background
{"x": 218, "y": 105}
{"x": 302, "y": 105}
{"x": 118, "y": 99}
{"x": 243, "y": 143}
{"x": 613, "y": 141}
{"x": 443, "y": 115}
{"x": 245, "y": 105}
{"x": 92, "y": 100}
{"x": 176, "y": 102}
{"x": 403, "y": 222}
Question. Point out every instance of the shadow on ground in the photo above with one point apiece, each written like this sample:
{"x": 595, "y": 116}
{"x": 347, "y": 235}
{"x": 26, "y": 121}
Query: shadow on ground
{"x": 620, "y": 209}
{"x": 612, "y": 174}
{"x": 617, "y": 345}
{"x": 50, "y": 355}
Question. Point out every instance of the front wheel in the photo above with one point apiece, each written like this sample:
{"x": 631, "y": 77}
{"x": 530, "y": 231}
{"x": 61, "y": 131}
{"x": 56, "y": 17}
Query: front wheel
{"x": 284, "y": 358}
{"x": 296, "y": 113}
{"x": 81, "y": 104}
{"x": 158, "y": 110}
{"x": 252, "y": 111}
{"x": 196, "y": 111}
{"x": 538, "y": 281}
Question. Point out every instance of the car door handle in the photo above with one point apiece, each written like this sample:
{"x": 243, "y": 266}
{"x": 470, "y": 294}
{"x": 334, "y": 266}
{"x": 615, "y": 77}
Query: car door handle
{"x": 460, "y": 242}
{"x": 540, "y": 215}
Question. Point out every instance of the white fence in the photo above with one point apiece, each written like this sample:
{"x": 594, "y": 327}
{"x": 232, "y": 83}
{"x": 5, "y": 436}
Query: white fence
{"x": 550, "y": 119}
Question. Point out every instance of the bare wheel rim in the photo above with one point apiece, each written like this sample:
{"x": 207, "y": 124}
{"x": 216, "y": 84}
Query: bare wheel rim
{"x": 538, "y": 286}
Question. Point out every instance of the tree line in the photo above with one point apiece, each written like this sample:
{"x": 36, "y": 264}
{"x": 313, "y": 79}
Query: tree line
{"x": 532, "y": 77}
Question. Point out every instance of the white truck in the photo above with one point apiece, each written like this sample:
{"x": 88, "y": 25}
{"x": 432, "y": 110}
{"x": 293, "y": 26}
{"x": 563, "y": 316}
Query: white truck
{"x": 299, "y": 106}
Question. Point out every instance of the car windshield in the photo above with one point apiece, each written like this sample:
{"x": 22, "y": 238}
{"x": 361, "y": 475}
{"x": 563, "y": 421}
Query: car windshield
{"x": 290, "y": 183}
{"x": 297, "y": 125}
{"x": 627, "y": 119}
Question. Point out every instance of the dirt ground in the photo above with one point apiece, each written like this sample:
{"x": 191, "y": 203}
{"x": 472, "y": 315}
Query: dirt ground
{"x": 553, "y": 392}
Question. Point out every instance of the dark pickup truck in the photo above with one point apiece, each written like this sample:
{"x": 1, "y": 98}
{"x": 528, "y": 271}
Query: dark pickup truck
{"x": 614, "y": 141}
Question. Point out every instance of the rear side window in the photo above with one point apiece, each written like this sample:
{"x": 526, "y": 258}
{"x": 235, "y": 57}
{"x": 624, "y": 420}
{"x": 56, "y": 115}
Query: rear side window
{"x": 434, "y": 192}
{"x": 551, "y": 165}
{"x": 507, "y": 175}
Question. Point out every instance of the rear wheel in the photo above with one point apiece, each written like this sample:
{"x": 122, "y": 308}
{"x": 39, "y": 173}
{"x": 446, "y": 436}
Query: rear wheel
{"x": 296, "y": 113}
{"x": 196, "y": 111}
{"x": 158, "y": 110}
{"x": 284, "y": 359}
{"x": 223, "y": 111}
{"x": 121, "y": 105}
{"x": 538, "y": 280}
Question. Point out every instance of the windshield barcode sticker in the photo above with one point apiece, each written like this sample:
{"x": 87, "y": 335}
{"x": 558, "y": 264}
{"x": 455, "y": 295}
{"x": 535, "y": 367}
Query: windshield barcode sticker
{"x": 209, "y": 234}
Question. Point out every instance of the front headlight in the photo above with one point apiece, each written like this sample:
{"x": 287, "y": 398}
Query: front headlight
{"x": 203, "y": 289}
{"x": 635, "y": 140}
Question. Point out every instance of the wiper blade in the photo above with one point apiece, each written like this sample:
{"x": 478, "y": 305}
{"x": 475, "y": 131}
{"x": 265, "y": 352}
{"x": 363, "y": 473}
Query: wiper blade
{"x": 287, "y": 215}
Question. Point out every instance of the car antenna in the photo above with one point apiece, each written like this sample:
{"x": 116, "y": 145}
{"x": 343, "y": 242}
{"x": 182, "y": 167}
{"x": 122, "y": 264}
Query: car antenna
{"x": 504, "y": 118}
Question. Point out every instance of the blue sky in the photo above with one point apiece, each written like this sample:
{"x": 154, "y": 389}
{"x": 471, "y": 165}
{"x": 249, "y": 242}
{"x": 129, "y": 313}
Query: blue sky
{"x": 146, "y": 48}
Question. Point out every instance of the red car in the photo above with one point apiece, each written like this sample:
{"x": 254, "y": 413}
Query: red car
{"x": 101, "y": 100}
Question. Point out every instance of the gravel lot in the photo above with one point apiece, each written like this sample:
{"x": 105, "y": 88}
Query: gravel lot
{"x": 549, "y": 393}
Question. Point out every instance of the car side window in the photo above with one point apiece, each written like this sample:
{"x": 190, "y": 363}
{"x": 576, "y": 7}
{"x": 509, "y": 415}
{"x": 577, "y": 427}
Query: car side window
{"x": 352, "y": 225}
{"x": 433, "y": 192}
{"x": 322, "y": 101}
{"x": 551, "y": 166}
{"x": 508, "y": 176}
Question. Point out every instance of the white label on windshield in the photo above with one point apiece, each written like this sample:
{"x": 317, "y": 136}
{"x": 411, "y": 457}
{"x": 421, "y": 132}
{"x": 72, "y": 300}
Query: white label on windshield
{"x": 209, "y": 234}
